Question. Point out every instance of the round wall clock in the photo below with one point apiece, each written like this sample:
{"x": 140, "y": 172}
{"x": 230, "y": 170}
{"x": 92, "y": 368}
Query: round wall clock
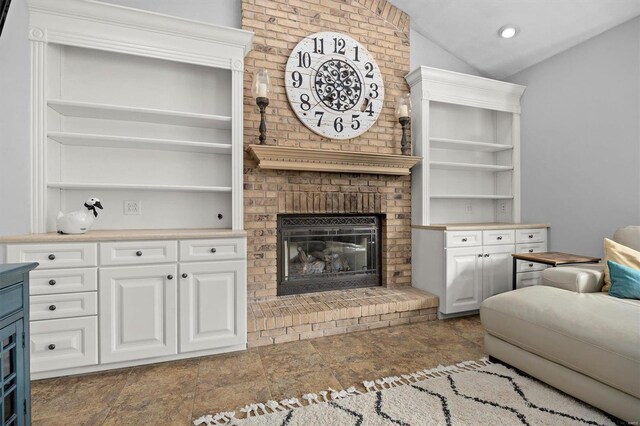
{"x": 334, "y": 85}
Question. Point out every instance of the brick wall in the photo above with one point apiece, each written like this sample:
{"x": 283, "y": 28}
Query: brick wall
{"x": 278, "y": 26}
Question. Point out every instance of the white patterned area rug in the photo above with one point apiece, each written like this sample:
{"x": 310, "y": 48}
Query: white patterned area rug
{"x": 470, "y": 393}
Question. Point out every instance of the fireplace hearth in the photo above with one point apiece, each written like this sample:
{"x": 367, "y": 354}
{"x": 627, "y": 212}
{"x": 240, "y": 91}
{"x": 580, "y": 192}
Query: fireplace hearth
{"x": 328, "y": 252}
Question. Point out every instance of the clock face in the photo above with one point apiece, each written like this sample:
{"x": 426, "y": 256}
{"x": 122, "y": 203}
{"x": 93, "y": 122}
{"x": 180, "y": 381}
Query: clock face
{"x": 334, "y": 85}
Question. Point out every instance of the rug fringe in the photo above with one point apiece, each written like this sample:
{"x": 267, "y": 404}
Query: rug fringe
{"x": 271, "y": 406}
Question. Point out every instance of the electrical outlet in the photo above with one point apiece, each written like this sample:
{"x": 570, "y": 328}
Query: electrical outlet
{"x": 132, "y": 207}
{"x": 468, "y": 208}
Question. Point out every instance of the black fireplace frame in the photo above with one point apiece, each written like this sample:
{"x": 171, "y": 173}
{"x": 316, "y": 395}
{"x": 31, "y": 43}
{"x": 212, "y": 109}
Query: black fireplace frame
{"x": 339, "y": 280}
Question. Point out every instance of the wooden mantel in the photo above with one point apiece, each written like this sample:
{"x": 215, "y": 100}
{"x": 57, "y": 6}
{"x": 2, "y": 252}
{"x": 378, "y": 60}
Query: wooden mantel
{"x": 322, "y": 160}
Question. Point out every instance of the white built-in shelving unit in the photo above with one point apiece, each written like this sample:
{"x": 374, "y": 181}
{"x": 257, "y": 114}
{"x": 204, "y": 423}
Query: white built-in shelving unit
{"x": 151, "y": 112}
{"x": 467, "y": 129}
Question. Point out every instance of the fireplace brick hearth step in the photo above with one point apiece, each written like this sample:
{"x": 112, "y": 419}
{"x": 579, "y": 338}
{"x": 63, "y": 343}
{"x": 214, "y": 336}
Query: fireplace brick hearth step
{"x": 306, "y": 316}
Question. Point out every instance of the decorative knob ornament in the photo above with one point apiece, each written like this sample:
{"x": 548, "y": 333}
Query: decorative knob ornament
{"x": 403, "y": 113}
{"x": 261, "y": 90}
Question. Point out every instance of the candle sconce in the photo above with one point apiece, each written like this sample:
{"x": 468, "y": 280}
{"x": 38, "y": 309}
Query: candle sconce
{"x": 261, "y": 90}
{"x": 403, "y": 113}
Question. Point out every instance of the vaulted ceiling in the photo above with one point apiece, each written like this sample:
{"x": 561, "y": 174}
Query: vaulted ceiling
{"x": 469, "y": 28}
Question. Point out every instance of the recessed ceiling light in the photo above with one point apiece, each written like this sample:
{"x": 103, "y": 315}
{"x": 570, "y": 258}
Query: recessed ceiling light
{"x": 508, "y": 31}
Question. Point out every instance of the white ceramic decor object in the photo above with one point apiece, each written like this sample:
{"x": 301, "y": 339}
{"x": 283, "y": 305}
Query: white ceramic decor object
{"x": 79, "y": 221}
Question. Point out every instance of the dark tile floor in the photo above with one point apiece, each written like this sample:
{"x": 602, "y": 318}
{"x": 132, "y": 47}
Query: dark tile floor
{"x": 175, "y": 393}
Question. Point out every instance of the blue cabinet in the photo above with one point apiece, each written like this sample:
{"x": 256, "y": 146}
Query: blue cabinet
{"x": 15, "y": 409}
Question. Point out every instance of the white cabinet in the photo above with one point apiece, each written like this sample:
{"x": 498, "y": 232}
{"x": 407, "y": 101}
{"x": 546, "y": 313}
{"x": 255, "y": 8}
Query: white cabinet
{"x": 464, "y": 266}
{"x": 212, "y": 305}
{"x": 138, "y": 312}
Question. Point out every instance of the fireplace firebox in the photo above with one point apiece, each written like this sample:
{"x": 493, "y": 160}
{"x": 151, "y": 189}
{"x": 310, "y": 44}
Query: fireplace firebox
{"x": 328, "y": 252}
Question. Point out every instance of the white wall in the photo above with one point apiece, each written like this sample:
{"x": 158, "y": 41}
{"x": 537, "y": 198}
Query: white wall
{"x": 426, "y": 52}
{"x": 15, "y": 95}
{"x": 581, "y": 140}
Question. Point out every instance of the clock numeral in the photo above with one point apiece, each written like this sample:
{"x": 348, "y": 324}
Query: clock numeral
{"x": 355, "y": 123}
{"x": 369, "y": 68}
{"x": 369, "y": 109}
{"x": 304, "y": 59}
{"x": 356, "y": 58}
{"x": 297, "y": 79}
{"x": 305, "y": 105}
{"x": 319, "y": 113}
{"x": 337, "y": 125}
{"x": 339, "y": 45}
{"x": 374, "y": 90}
{"x": 318, "y": 45}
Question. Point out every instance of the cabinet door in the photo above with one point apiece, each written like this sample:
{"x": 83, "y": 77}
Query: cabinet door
{"x": 138, "y": 312}
{"x": 13, "y": 378}
{"x": 212, "y": 305}
{"x": 464, "y": 279}
{"x": 497, "y": 269}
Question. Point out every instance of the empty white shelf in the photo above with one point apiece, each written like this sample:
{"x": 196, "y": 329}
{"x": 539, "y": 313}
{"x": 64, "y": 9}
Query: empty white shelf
{"x": 472, "y": 196}
{"x": 469, "y": 166}
{"x": 444, "y": 143}
{"x": 108, "y": 141}
{"x": 147, "y": 115}
{"x": 142, "y": 186}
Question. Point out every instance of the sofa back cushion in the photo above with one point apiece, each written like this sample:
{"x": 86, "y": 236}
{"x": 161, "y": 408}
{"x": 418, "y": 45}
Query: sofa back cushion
{"x": 628, "y": 236}
{"x": 620, "y": 254}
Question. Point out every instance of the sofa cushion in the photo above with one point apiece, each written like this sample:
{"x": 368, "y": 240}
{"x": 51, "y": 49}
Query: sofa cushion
{"x": 625, "y": 281}
{"x": 621, "y": 254}
{"x": 591, "y": 333}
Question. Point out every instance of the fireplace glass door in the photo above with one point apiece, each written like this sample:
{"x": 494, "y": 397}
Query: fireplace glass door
{"x": 328, "y": 252}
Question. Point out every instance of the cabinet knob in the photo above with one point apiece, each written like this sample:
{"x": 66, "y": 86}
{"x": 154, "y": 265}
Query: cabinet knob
{"x": 464, "y": 240}
{"x": 480, "y": 255}
{"x": 486, "y": 255}
{"x": 52, "y": 282}
{"x": 51, "y": 256}
{"x": 499, "y": 238}
{"x": 530, "y": 250}
{"x": 213, "y": 250}
{"x": 169, "y": 277}
{"x": 184, "y": 275}
{"x": 52, "y": 347}
{"x": 530, "y": 235}
{"x": 531, "y": 265}
{"x": 52, "y": 307}
{"x": 138, "y": 253}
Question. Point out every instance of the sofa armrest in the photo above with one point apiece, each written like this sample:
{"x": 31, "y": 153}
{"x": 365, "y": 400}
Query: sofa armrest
{"x": 580, "y": 279}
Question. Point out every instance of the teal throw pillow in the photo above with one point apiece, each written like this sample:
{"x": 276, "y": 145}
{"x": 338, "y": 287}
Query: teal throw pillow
{"x": 625, "y": 281}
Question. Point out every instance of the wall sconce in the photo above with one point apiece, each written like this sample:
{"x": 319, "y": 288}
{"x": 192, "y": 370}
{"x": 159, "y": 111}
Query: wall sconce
{"x": 403, "y": 112}
{"x": 261, "y": 89}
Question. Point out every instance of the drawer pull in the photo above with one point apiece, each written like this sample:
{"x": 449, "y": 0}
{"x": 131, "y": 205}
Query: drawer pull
{"x": 184, "y": 275}
{"x": 52, "y": 307}
{"x": 213, "y": 250}
{"x": 51, "y": 347}
{"x": 480, "y": 255}
{"x": 530, "y": 235}
{"x": 499, "y": 238}
{"x": 531, "y": 265}
{"x": 464, "y": 240}
{"x": 530, "y": 250}
{"x": 138, "y": 253}
{"x": 169, "y": 277}
{"x": 52, "y": 256}
{"x": 486, "y": 255}
{"x": 52, "y": 282}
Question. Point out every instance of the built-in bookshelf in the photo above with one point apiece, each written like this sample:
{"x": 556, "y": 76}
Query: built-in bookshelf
{"x": 156, "y": 120}
{"x": 467, "y": 130}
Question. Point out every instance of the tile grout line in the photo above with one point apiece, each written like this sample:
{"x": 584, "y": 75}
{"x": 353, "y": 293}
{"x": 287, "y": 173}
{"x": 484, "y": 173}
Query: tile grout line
{"x": 112, "y": 405}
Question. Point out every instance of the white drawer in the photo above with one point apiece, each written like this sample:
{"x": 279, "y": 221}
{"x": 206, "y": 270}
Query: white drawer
{"x": 538, "y": 235}
{"x": 527, "y": 279}
{"x": 63, "y": 281}
{"x": 524, "y": 266}
{"x": 64, "y": 343}
{"x": 222, "y": 249}
{"x": 531, "y": 248}
{"x": 498, "y": 236}
{"x": 64, "y": 255}
{"x": 138, "y": 252}
{"x": 464, "y": 238}
{"x": 68, "y": 305}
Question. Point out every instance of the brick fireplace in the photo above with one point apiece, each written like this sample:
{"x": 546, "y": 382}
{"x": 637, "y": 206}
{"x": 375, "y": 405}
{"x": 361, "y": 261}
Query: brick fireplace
{"x": 279, "y": 25}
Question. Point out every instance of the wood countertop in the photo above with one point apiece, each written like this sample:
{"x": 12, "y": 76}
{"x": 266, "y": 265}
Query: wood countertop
{"x": 479, "y": 226}
{"x": 125, "y": 235}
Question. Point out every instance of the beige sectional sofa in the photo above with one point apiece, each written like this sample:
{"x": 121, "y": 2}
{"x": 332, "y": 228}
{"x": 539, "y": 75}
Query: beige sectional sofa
{"x": 572, "y": 336}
